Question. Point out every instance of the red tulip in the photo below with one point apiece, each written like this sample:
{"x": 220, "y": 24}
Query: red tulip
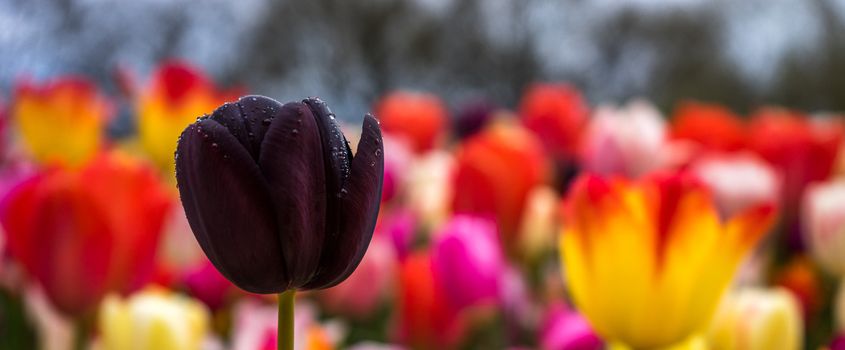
{"x": 496, "y": 171}
{"x": 426, "y": 320}
{"x": 709, "y": 126}
{"x": 556, "y": 113}
{"x": 83, "y": 233}
{"x": 417, "y": 117}
{"x": 804, "y": 150}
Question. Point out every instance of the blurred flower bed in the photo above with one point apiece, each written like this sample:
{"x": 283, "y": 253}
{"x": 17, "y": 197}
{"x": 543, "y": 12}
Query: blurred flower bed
{"x": 553, "y": 224}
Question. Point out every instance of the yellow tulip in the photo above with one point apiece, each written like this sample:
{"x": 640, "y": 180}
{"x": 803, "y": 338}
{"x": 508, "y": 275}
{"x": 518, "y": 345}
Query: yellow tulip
{"x": 647, "y": 262}
{"x": 176, "y": 96}
{"x": 758, "y": 319}
{"x": 695, "y": 342}
{"x": 153, "y": 319}
{"x": 61, "y": 120}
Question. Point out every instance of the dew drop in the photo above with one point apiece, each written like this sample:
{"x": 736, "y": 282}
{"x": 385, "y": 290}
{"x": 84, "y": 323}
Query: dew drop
{"x": 295, "y": 131}
{"x": 378, "y": 152}
{"x": 214, "y": 145}
{"x": 266, "y": 121}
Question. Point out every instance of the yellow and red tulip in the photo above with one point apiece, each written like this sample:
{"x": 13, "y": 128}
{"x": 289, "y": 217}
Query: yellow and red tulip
{"x": 61, "y": 120}
{"x": 177, "y": 94}
{"x": 84, "y": 232}
{"x": 647, "y": 262}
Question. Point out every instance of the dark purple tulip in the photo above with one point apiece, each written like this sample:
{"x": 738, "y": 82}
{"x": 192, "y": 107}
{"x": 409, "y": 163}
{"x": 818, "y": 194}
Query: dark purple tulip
{"x": 472, "y": 118}
{"x": 275, "y": 197}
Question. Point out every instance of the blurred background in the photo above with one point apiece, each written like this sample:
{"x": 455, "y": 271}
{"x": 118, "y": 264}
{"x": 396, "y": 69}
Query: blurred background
{"x": 735, "y": 104}
{"x": 740, "y": 53}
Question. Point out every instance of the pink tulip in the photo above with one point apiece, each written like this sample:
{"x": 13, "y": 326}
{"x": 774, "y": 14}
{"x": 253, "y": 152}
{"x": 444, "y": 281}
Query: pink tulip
{"x": 399, "y": 227}
{"x": 205, "y": 283}
{"x": 397, "y": 157}
{"x": 824, "y": 220}
{"x": 360, "y": 295}
{"x": 838, "y": 343}
{"x": 565, "y": 329}
{"x": 625, "y": 141}
{"x": 738, "y": 181}
{"x": 467, "y": 257}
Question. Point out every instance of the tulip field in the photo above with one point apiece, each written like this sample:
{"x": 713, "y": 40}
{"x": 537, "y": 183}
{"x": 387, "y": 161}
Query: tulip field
{"x": 229, "y": 220}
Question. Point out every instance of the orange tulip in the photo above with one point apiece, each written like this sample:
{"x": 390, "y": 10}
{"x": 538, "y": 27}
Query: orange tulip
{"x": 647, "y": 262}
{"x": 557, "y": 114}
{"x": 710, "y": 126}
{"x": 61, "y": 120}
{"x": 800, "y": 276}
{"x": 83, "y": 233}
{"x": 417, "y": 117}
{"x": 496, "y": 171}
{"x": 176, "y": 96}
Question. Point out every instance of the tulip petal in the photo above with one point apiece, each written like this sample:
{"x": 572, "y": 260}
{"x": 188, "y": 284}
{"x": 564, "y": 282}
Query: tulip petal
{"x": 336, "y": 156}
{"x": 227, "y": 204}
{"x": 336, "y": 151}
{"x": 359, "y": 206}
{"x": 291, "y": 160}
{"x": 248, "y": 120}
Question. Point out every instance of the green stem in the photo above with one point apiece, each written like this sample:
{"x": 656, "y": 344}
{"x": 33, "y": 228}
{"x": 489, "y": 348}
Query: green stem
{"x": 285, "y": 333}
{"x": 81, "y": 332}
